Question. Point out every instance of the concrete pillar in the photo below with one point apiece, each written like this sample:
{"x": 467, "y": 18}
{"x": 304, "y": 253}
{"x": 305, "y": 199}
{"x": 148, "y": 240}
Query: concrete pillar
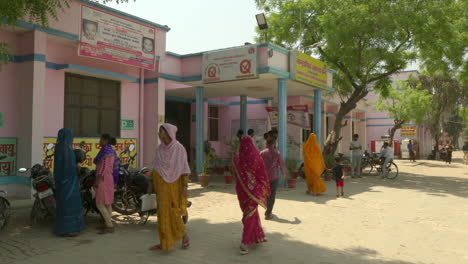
{"x": 154, "y": 116}
{"x": 243, "y": 113}
{"x": 282, "y": 121}
{"x": 31, "y": 89}
{"x": 318, "y": 115}
{"x": 200, "y": 131}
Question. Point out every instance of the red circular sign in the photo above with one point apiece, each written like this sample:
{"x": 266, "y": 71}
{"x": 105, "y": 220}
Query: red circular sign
{"x": 245, "y": 66}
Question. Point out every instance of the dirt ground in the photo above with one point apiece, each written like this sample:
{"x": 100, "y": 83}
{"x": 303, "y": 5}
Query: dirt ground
{"x": 420, "y": 217}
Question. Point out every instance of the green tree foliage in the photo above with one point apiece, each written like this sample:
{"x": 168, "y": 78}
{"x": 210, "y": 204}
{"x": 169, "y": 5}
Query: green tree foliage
{"x": 448, "y": 96}
{"x": 406, "y": 101}
{"x": 34, "y": 11}
{"x": 369, "y": 40}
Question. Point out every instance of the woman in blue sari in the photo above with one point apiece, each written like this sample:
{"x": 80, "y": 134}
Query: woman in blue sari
{"x": 69, "y": 214}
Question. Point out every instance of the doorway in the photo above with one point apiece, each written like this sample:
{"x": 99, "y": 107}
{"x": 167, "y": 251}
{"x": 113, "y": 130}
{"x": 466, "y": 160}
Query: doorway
{"x": 178, "y": 114}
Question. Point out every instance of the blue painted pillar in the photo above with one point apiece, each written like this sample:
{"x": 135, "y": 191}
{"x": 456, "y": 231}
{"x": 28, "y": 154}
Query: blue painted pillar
{"x": 243, "y": 114}
{"x": 200, "y": 131}
{"x": 282, "y": 122}
{"x": 318, "y": 115}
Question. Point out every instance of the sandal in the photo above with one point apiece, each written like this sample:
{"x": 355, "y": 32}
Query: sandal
{"x": 186, "y": 243}
{"x": 243, "y": 250}
{"x": 155, "y": 247}
{"x": 337, "y": 196}
{"x": 268, "y": 217}
{"x": 106, "y": 230}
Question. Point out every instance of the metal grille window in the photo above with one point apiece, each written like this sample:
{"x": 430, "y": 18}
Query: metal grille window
{"x": 213, "y": 123}
{"x": 92, "y": 106}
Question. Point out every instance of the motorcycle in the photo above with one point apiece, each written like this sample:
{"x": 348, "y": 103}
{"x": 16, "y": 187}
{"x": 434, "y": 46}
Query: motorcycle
{"x": 42, "y": 182}
{"x": 130, "y": 187}
{"x": 86, "y": 179}
{"x": 4, "y": 210}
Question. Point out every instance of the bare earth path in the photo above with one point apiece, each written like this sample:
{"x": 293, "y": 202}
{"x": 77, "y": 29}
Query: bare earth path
{"x": 421, "y": 217}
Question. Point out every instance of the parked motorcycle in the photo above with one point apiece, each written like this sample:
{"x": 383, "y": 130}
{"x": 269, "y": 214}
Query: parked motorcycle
{"x": 86, "y": 179}
{"x": 131, "y": 186}
{"x": 4, "y": 210}
{"x": 43, "y": 190}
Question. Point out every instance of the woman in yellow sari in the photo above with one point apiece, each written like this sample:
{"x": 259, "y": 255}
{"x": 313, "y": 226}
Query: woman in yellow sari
{"x": 314, "y": 166}
{"x": 170, "y": 179}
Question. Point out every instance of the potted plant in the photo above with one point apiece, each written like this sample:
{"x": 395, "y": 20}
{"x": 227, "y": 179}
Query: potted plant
{"x": 291, "y": 165}
{"x": 228, "y": 175}
{"x": 206, "y": 172}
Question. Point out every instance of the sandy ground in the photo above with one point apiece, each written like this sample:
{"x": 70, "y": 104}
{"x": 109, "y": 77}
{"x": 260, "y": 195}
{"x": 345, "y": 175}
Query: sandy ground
{"x": 421, "y": 217}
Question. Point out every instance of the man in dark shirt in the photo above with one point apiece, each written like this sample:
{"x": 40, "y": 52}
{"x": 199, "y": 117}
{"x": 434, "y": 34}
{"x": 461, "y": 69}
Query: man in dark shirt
{"x": 338, "y": 176}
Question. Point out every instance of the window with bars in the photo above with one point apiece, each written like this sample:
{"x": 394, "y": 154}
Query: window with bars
{"x": 213, "y": 123}
{"x": 92, "y": 106}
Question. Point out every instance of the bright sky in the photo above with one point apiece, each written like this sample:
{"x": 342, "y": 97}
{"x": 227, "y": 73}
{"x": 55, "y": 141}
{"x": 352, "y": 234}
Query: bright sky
{"x": 199, "y": 25}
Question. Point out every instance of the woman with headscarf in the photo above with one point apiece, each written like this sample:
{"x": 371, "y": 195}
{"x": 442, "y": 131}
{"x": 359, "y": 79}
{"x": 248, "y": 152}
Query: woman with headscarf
{"x": 107, "y": 170}
{"x": 314, "y": 166}
{"x": 69, "y": 211}
{"x": 170, "y": 181}
{"x": 253, "y": 189}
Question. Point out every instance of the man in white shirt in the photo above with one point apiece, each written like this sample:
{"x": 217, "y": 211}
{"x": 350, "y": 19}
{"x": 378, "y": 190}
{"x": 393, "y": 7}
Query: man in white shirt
{"x": 356, "y": 156}
{"x": 387, "y": 155}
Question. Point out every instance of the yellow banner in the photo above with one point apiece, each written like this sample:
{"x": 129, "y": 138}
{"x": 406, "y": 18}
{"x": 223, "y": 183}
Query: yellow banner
{"x": 92, "y": 147}
{"x": 409, "y": 131}
{"x": 308, "y": 70}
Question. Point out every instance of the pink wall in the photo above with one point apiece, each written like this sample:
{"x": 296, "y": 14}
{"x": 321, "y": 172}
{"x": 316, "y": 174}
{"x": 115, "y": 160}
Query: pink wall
{"x": 130, "y": 107}
{"x": 9, "y": 100}
{"x": 54, "y": 102}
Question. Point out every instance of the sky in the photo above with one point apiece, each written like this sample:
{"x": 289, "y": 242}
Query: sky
{"x": 198, "y": 25}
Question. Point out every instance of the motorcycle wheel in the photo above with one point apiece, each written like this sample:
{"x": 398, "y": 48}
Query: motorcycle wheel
{"x": 35, "y": 212}
{"x": 4, "y": 212}
{"x": 125, "y": 203}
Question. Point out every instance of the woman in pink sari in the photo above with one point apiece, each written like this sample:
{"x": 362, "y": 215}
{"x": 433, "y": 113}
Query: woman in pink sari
{"x": 253, "y": 189}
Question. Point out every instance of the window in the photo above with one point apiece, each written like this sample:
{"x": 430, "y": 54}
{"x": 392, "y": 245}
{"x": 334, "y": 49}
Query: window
{"x": 92, "y": 106}
{"x": 213, "y": 123}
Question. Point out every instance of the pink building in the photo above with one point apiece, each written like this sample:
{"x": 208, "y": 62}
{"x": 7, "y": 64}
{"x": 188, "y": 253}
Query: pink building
{"x": 98, "y": 70}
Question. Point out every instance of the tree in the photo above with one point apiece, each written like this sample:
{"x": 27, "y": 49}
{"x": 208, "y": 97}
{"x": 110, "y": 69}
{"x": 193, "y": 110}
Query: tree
{"x": 34, "y": 11}
{"x": 455, "y": 126}
{"x": 368, "y": 40}
{"x": 405, "y": 102}
{"x": 448, "y": 95}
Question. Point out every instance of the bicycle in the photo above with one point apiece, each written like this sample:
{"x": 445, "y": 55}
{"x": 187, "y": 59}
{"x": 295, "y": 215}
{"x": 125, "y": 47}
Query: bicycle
{"x": 372, "y": 165}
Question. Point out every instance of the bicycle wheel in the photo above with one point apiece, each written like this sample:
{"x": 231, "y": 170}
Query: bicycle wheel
{"x": 392, "y": 171}
{"x": 368, "y": 169}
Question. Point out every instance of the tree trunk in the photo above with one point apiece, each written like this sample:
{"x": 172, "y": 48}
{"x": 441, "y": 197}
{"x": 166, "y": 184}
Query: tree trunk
{"x": 392, "y": 131}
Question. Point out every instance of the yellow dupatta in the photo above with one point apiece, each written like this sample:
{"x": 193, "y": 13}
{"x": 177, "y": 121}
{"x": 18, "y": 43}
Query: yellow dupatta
{"x": 314, "y": 165}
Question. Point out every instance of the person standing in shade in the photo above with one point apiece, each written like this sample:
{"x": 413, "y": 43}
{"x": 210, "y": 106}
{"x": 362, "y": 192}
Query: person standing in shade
{"x": 273, "y": 160}
{"x": 356, "y": 156}
{"x": 411, "y": 151}
{"x": 449, "y": 150}
{"x": 465, "y": 152}
{"x": 107, "y": 169}
{"x": 69, "y": 219}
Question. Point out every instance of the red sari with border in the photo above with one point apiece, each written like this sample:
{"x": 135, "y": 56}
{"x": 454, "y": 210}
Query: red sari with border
{"x": 253, "y": 189}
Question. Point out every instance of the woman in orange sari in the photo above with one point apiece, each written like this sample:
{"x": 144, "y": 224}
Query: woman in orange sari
{"x": 314, "y": 166}
{"x": 253, "y": 189}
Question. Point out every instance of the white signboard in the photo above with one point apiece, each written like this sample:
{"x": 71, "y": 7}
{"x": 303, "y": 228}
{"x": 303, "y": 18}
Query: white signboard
{"x": 230, "y": 64}
{"x": 109, "y": 37}
{"x": 298, "y": 115}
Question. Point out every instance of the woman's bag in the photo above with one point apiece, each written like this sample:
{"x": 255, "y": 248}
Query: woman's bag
{"x": 148, "y": 202}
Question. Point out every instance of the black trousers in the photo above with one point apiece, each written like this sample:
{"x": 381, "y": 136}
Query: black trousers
{"x": 272, "y": 197}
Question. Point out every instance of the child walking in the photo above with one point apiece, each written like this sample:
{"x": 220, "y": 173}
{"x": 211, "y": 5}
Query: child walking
{"x": 338, "y": 175}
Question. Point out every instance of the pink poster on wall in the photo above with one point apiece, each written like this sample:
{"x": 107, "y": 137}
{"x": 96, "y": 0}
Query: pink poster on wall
{"x": 298, "y": 115}
{"x": 114, "y": 38}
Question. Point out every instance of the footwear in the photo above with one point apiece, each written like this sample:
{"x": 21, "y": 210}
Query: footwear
{"x": 106, "y": 230}
{"x": 342, "y": 194}
{"x": 268, "y": 217}
{"x": 155, "y": 247}
{"x": 186, "y": 243}
{"x": 243, "y": 250}
{"x": 337, "y": 196}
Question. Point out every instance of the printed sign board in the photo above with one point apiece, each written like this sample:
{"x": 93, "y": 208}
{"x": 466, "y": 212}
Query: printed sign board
{"x": 308, "y": 70}
{"x": 92, "y": 147}
{"x": 230, "y": 64}
{"x": 7, "y": 156}
{"x": 127, "y": 124}
{"x": 298, "y": 115}
{"x": 109, "y": 37}
{"x": 409, "y": 131}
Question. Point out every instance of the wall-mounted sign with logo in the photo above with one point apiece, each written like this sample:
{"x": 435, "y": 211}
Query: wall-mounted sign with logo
{"x": 308, "y": 70}
{"x": 127, "y": 124}
{"x": 298, "y": 115}
{"x": 230, "y": 64}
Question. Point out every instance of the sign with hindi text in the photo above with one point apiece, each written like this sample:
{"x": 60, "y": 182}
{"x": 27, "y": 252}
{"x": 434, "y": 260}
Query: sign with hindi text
{"x": 298, "y": 115}
{"x": 410, "y": 131}
{"x": 92, "y": 147}
{"x": 230, "y": 64}
{"x": 7, "y": 156}
{"x": 110, "y": 37}
{"x": 308, "y": 70}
